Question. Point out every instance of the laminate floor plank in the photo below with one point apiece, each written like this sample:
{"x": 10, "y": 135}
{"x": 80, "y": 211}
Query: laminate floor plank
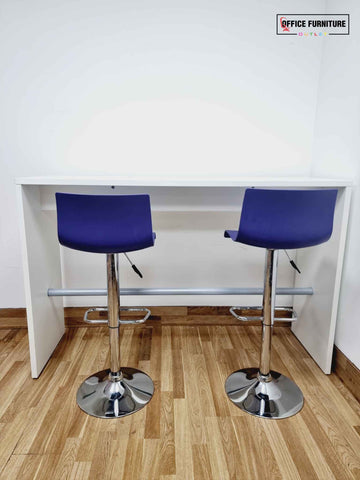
{"x": 189, "y": 430}
{"x": 183, "y": 451}
{"x": 24, "y": 467}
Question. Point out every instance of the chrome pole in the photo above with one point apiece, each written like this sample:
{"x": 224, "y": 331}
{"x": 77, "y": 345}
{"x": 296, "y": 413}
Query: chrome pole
{"x": 113, "y": 312}
{"x": 269, "y": 298}
{"x": 114, "y": 393}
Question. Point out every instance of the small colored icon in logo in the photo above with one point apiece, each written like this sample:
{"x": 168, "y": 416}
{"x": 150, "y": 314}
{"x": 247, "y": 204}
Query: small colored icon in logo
{"x": 283, "y": 24}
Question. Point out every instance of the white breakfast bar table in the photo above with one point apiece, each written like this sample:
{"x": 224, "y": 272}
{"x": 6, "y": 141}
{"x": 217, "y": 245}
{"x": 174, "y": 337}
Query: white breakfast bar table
{"x": 315, "y": 291}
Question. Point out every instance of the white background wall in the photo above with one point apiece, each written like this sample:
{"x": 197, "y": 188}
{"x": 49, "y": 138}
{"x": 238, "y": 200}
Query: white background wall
{"x": 120, "y": 87}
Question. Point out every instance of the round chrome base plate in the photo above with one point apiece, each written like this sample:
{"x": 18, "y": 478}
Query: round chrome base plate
{"x": 278, "y": 398}
{"x": 100, "y": 397}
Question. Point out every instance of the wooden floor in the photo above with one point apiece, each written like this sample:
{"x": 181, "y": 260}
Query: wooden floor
{"x": 190, "y": 430}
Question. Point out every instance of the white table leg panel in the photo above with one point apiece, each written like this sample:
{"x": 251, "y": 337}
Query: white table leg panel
{"x": 41, "y": 259}
{"x": 321, "y": 267}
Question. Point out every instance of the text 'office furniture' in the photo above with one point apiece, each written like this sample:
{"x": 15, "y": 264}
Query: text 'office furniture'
{"x": 276, "y": 220}
{"x": 109, "y": 225}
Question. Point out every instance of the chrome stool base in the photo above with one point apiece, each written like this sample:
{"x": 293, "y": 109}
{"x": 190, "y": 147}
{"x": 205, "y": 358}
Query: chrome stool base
{"x": 102, "y": 397}
{"x": 266, "y": 397}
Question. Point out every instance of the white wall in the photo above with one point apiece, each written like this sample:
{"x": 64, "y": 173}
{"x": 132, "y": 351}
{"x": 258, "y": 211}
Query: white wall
{"x": 337, "y": 154}
{"x": 114, "y": 87}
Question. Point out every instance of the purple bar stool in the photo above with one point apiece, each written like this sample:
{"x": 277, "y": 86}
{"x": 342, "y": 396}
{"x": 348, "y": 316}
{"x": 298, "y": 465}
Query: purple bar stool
{"x": 276, "y": 220}
{"x": 109, "y": 224}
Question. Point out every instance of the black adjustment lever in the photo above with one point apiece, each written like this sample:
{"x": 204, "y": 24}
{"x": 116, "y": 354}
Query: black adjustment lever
{"x": 292, "y": 263}
{"x": 133, "y": 266}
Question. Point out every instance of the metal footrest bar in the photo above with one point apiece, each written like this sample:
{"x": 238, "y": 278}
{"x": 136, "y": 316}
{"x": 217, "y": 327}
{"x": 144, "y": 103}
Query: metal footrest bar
{"x": 243, "y": 318}
{"x": 97, "y": 320}
{"x": 121, "y": 322}
{"x": 90, "y": 292}
{"x": 135, "y": 309}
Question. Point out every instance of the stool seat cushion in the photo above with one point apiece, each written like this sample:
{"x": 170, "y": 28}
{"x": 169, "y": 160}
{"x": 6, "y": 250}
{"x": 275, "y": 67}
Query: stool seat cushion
{"x": 285, "y": 219}
{"x": 104, "y": 223}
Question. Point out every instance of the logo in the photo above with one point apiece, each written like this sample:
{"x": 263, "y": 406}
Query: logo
{"x": 309, "y": 25}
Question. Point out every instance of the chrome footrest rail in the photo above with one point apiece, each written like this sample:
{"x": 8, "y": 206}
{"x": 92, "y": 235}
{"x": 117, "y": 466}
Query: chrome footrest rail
{"x": 135, "y": 309}
{"x": 97, "y": 320}
{"x": 122, "y": 309}
{"x": 242, "y": 318}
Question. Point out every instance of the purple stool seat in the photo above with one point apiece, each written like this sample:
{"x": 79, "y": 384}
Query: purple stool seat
{"x": 104, "y": 223}
{"x": 285, "y": 219}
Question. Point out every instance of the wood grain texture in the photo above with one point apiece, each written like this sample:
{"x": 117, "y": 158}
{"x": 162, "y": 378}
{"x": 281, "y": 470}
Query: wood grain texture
{"x": 347, "y": 372}
{"x": 190, "y": 430}
{"x": 16, "y": 317}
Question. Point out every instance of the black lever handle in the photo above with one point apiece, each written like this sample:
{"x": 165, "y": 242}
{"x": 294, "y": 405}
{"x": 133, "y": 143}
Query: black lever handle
{"x": 133, "y": 266}
{"x": 136, "y": 270}
{"x": 292, "y": 263}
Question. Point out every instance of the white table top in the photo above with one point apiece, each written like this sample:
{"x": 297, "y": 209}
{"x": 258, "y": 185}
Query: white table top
{"x": 187, "y": 181}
